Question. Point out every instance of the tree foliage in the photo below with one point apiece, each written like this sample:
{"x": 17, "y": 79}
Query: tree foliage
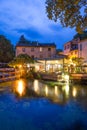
{"x": 77, "y": 61}
{"x": 81, "y": 36}
{"x": 22, "y": 60}
{"x": 71, "y": 13}
{"x": 6, "y": 50}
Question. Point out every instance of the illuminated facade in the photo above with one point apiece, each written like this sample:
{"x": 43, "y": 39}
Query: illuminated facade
{"x": 76, "y": 48}
{"x": 71, "y": 48}
{"x": 35, "y": 49}
{"x": 82, "y": 49}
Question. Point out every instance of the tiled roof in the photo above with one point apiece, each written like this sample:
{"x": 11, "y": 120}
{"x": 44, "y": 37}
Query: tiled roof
{"x": 23, "y": 42}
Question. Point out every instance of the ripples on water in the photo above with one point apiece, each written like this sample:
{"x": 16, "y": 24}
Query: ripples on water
{"x": 32, "y": 105}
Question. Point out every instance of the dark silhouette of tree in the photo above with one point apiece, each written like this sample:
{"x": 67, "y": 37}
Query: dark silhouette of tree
{"x": 81, "y": 36}
{"x": 7, "y": 50}
{"x": 22, "y": 59}
{"x": 71, "y": 13}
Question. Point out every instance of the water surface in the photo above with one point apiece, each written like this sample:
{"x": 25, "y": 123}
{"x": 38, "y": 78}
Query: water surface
{"x": 32, "y": 105}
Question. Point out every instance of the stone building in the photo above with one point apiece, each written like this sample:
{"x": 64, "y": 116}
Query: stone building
{"x": 71, "y": 48}
{"x": 82, "y": 49}
{"x": 45, "y": 53}
{"x": 35, "y": 49}
{"x": 77, "y": 47}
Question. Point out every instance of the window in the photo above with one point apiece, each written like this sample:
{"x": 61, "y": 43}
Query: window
{"x": 41, "y": 56}
{"x": 75, "y": 52}
{"x": 80, "y": 47}
{"x": 71, "y": 53}
{"x": 23, "y": 49}
{"x": 41, "y": 49}
{"x": 32, "y": 56}
{"x": 32, "y": 49}
{"x": 65, "y": 47}
{"x": 49, "y": 49}
{"x": 49, "y": 55}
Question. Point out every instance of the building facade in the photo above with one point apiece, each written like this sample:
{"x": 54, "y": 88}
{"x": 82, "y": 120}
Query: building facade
{"x": 35, "y": 49}
{"x": 71, "y": 48}
{"x": 76, "y": 48}
{"x": 82, "y": 49}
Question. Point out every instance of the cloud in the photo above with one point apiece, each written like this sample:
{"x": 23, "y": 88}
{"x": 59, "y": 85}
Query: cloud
{"x": 29, "y": 17}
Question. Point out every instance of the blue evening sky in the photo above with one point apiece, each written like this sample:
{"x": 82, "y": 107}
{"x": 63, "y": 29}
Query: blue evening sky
{"x": 28, "y": 17}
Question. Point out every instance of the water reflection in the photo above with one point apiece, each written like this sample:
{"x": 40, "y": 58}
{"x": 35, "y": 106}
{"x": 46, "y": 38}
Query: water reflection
{"x": 67, "y": 89}
{"x": 37, "y": 101}
{"x": 57, "y": 94}
{"x": 46, "y": 90}
{"x": 56, "y": 91}
{"x": 20, "y": 88}
{"x": 74, "y": 92}
{"x": 36, "y": 86}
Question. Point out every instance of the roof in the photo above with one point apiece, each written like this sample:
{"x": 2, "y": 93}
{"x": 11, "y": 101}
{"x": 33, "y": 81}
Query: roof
{"x": 26, "y": 43}
{"x": 54, "y": 58}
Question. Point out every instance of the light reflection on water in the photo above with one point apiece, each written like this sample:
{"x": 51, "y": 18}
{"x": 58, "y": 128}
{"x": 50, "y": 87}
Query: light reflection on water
{"x": 56, "y": 91}
{"x": 42, "y": 107}
{"x": 20, "y": 88}
{"x": 59, "y": 94}
{"x": 36, "y": 86}
{"x": 74, "y": 92}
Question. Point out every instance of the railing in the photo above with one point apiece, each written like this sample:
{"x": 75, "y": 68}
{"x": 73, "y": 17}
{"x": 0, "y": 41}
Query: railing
{"x": 8, "y": 76}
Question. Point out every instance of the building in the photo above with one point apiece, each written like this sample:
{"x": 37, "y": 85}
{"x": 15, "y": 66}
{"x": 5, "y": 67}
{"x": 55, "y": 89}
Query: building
{"x": 35, "y": 49}
{"x": 82, "y": 49}
{"x": 71, "y": 48}
{"x": 77, "y": 47}
{"x": 45, "y": 53}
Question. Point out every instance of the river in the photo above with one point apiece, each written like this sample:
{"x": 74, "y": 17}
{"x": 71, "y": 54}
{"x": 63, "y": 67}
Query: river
{"x": 33, "y": 105}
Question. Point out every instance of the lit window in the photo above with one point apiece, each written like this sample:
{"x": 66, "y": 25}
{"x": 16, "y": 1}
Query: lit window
{"x": 23, "y": 49}
{"x": 41, "y": 49}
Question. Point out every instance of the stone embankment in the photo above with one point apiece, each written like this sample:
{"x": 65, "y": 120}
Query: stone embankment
{"x": 79, "y": 78}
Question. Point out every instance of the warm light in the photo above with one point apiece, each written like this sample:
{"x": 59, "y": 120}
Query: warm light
{"x": 46, "y": 90}
{"x": 66, "y": 77}
{"x": 37, "y": 68}
{"x": 74, "y": 64}
{"x": 20, "y": 88}
{"x": 56, "y": 90}
{"x": 28, "y": 65}
{"x": 56, "y": 61}
{"x": 59, "y": 66}
{"x": 36, "y": 87}
{"x": 20, "y": 66}
{"x": 74, "y": 92}
{"x": 48, "y": 67}
{"x": 66, "y": 88}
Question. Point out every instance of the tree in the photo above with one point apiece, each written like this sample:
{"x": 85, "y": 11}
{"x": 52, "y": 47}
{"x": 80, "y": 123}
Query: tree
{"x": 77, "y": 61}
{"x": 6, "y": 50}
{"x": 21, "y": 62}
{"x": 81, "y": 36}
{"x": 22, "y": 59}
{"x": 71, "y": 13}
